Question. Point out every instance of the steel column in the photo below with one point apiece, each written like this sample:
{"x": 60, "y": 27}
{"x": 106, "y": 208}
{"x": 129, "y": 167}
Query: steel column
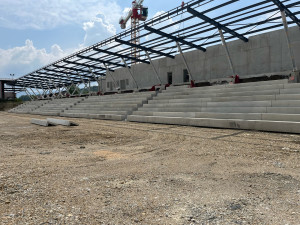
{"x": 153, "y": 67}
{"x": 286, "y": 29}
{"x": 39, "y": 92}
{"x": 33, "y": 92}
{"x": 227, "y": 51}
{"x": 108, "y": 71}
{"x": 184, "y": 61}
{"x": 28, "y": 94}
{"x": 130, "y": 73}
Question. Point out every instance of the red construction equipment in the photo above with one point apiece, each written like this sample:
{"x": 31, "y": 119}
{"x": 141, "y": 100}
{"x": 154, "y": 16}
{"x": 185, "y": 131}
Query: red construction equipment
{"x": 137, "y": 13}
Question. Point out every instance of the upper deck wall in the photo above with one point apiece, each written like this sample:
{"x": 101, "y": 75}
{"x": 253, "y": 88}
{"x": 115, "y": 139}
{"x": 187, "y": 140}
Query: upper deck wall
{"x": 264, "y": 53}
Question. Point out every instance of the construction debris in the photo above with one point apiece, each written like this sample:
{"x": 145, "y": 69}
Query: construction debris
{"x": 61, "y": 122}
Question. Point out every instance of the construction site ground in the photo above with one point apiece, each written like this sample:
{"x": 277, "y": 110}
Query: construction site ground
{"x": 108, "y": 172}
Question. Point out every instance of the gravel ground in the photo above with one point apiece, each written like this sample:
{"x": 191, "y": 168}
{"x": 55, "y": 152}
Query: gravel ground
{"x": 108, "y": 172}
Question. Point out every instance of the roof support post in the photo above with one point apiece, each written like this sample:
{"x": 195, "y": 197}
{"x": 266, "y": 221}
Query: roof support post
{"x": 68, "y": 94}
{"x": 153, "y": 67}
{"x": 41, "y": 96}
{"x": 227, "y": 51}
{"x": 184, "y": 61}
{"x": 44, "y": 92}
{"x": 108, "y": 71}
{"x": 89, "y": 87}
{"x": 28, "y": 94}
{"x": 85, "y": 84}
{"x": 50, "y": 91}
{"x": 75, "y": 88}
{"x": 130, "y": 73}
{"x": 99, "y": 81}
{"x": 286, "y": 29}
{"x": 33, "y": 93}
{"x": 56, "y": 89}
{"x": 63, "y": 89}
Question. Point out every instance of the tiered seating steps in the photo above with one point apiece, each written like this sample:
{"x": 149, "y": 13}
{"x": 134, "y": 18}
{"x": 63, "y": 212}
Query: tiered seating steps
{"x": 56, "y": 106}
{"x": 28, "y": 107}
{"x": 109, "y": 107}
{"x": 266, "y": 106}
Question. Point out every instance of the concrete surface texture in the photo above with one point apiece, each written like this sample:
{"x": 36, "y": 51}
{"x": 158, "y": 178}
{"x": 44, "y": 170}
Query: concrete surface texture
{"x": 39, "y": 122}
{"x": 110, "y": 107}
{"x": 112, "y": 172}
{"x": 263, "y": 54}
{"x": 56, "y": 106}
{"x": 267, "y": 106}
{"x": 67, "y": 123}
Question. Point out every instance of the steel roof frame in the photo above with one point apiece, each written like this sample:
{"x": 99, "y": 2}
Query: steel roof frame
{"x": 195, "y": 36}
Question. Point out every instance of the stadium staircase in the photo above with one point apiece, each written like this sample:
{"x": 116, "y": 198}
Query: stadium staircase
{"x": 266, "y": 106}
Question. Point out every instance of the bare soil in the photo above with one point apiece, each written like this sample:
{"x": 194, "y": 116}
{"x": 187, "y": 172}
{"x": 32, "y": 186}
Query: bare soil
{"x": 108, "y": 172}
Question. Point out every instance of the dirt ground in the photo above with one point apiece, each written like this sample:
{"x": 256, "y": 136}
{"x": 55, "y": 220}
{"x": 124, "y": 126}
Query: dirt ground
{"x": 108, "y": 172}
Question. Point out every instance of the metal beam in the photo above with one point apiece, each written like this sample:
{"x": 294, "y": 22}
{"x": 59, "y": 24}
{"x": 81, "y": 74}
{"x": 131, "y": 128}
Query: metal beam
{"x": 100, "y": 60}
{"x": 143, "y": 48}
{"x": 86, "y": 65}
{"x": 176, "y": 39}
{"x": 216, "y": 24}
{"x": 282, "y": 7}
{"x": 120, "y": 55}
{"x": 74, "y": 69}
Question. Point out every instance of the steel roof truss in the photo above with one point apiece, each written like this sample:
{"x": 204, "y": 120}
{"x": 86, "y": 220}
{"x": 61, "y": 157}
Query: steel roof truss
{"x": 288, "y": 12}
{"x": 216, "y": 24}
{"x": 176, "y": 39}
{"x": 144, "y": 48}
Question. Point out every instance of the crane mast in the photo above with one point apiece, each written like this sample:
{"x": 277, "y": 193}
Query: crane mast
{"x": 137, "y": 13}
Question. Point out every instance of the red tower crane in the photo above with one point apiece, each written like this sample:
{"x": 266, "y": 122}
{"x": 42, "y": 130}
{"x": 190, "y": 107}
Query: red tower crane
{"x": 137, "y": 13}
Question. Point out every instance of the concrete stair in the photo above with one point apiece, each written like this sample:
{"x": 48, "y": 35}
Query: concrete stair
{"x": 267, "y": 106}
{"x": 109, "y": 107}
{"x": 28, "y": 107}
{"x": 56, "y": 106}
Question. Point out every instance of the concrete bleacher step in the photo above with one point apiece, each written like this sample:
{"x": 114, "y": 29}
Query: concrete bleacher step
{"x": 111, "y": 107}
{"x": 28, "y": 107}
{"x": 266, "y": 106}
{"x": 56, "y": 106}
{"x": 262, "y": 125}
{"x": 106, "y": 116}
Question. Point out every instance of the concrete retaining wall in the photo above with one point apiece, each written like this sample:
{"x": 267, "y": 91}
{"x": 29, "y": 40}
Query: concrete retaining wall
{"x": 263, "y": 54}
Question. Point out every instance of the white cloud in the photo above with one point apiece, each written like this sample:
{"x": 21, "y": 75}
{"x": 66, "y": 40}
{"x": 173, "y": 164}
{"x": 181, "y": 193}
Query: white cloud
{"x": 97, "y": 30}
{"x": 98, "y": 18}
{"x": 27, "y": 58}
{"x": 45, "y": 14}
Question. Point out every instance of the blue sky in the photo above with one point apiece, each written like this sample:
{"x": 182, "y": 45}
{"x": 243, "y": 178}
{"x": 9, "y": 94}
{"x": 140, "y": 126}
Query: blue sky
{"x": 37, "y": 32}
{"x": 34, "y": 33}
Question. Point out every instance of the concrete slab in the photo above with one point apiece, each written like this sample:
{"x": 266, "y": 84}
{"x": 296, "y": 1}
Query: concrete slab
{"x": 39, "y": 122}
{"x": 61, "y": 122}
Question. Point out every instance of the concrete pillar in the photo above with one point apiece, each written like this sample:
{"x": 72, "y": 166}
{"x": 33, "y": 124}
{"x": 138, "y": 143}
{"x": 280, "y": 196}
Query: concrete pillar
{"x": 2, "y": 90}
